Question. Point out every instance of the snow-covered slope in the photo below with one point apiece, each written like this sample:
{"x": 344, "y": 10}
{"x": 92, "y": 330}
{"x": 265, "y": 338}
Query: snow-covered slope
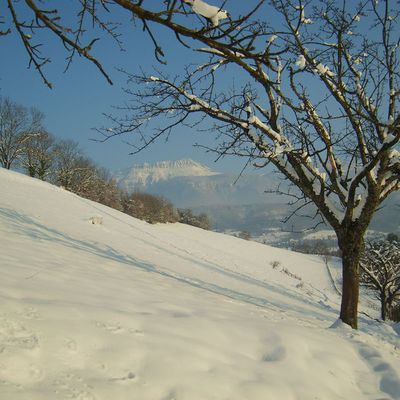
{"x": 97, "y": 305}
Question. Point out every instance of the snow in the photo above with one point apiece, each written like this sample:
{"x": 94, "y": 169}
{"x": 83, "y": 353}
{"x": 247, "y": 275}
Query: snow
{"x": 303, "y": 18}
{"x": 324, "y": 70}
{"x": 301, "y": 61}
{"x": 121, "y": 309}
{"x": 213, "y": 13}
{"x": 389, "y": 138}
{"x": 195, "y": 107}
{"x": 254, "y": 120}
{"x": 211, "y": 50}
{"x": 323, "y": 234}
{"x": 395, "y": 154}
{"x": 272, "y": 39}
{"x": 360, "y": 204}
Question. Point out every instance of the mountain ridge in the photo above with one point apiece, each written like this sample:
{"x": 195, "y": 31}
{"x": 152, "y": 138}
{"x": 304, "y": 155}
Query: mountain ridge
{"x": 149, "y": 173}
{"x": 231, "y": 203}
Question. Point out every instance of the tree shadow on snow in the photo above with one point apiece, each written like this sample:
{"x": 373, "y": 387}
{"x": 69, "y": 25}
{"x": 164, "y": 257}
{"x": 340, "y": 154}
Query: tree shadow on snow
{"x": 26, "y": 225}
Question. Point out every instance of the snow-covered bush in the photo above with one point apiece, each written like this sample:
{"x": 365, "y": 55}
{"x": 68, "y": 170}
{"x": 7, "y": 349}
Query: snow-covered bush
{"x": 380, "y": 271}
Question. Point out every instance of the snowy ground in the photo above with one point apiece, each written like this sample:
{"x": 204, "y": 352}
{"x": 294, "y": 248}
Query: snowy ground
{"x": 119, "y": 309}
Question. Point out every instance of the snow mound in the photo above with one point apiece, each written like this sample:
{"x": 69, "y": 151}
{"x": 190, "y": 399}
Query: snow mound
{"x": 126, "y": 310}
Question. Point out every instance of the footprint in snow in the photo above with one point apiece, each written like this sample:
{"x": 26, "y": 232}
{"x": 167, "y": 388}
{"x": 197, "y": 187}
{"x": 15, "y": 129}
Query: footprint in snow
{"x": 113, "y": 328}
{"x": 72, "y": 386}
{"x": 20, "y": 372}
{"x": 389, "y": 379}
{"x": 35, "y": 373}
{"x": 30, "y": 313}
{"x": 275, "y": 355}
{"x": 14, "y": 334}
{"x": 118, "y": 329}
{"x": 84, "y": 396}
{"x": 71, "y": 345}
{"x": 137, "y": 332}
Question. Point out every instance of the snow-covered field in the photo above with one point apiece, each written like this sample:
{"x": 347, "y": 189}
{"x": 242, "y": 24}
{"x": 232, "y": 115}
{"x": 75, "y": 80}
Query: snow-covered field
{"x": 97, "y": 305}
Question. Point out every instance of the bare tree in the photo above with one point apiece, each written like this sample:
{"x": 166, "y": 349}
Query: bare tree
{"x": 380, "y": 271}
{"x": 18, "y": 126}
{"x": 84, "y": 180}
{"x": 67, "y": 155}
{"x": 319, "y": 99}
{"x": 31, "y": 19}
{"x": 75, "y": 172}
{"x": 38, "y": 155}
{"x": 321, "y": 106}
{"x": 108, "y": 191}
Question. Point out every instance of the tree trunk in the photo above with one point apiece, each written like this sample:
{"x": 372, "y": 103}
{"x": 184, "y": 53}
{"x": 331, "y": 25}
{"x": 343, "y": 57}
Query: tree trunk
{"x": 31, "y": 171}
{"x": 351, "y": 245}
{"x": 42, "y": 170}
{"x": 384, "y": 306}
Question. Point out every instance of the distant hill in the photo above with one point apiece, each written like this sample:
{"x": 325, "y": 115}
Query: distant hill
{"x": 235, "y": 204}
{"x": 188, "y": 183}
{"x": 143, "y": 175}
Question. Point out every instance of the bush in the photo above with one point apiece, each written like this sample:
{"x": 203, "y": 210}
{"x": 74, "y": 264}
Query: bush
{"x": 275, "y": 264}
{"x": 149, "y": 208}
{"x": 392, "y": 237}
{"x": 186, "y": 216}
{"x": 245, "y": 235}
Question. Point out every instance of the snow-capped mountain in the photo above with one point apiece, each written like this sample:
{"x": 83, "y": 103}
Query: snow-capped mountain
{"x": 188, "y": 183}
{"x": 234, "y": 203}
{"x": 146, "y": 174}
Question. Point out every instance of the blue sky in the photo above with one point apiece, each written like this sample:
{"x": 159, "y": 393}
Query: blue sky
{"x": 79, "y": 97}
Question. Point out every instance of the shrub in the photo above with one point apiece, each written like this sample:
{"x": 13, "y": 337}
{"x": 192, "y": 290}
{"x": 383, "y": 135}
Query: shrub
{"x": 186, "y": 216}
{"x": 149, "y": 208}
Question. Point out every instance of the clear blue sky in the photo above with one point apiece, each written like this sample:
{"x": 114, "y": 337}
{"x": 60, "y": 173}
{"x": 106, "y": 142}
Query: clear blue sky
{"x": 79, "y": 97}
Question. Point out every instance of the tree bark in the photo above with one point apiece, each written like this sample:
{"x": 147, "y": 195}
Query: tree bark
{"x": 351, "y": 245}
{"x": 384, "y": 306}
{"x": 31, "y": 171}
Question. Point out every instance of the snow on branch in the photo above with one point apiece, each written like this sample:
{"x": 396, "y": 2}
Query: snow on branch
{"x": 212, "y": 13}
